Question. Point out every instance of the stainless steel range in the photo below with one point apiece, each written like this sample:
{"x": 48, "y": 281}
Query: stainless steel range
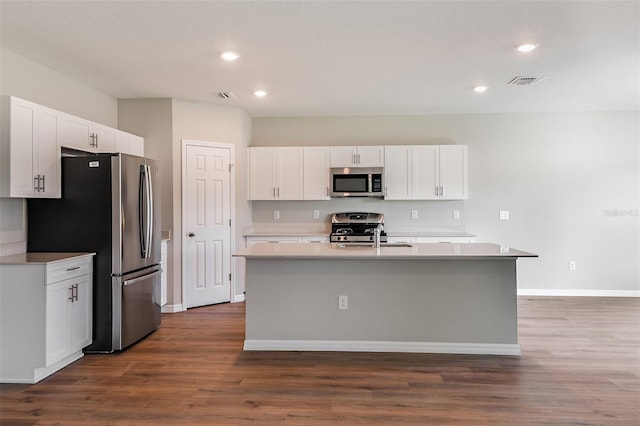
{"x": 357, "y": 227}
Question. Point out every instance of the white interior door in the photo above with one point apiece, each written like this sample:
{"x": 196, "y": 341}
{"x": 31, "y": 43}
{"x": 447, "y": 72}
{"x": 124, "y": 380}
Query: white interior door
{"x": 207, "y": 212}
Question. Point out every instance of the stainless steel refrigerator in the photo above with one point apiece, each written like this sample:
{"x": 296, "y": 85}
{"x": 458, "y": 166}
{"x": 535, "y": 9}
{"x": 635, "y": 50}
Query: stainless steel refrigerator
{"x": 110, "y": 206}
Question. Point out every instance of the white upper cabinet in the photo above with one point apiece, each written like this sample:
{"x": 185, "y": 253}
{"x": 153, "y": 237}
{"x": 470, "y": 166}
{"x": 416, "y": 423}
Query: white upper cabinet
{"x": 397, "y": 173}
{"x": 31, "y": 157}
{"x": 276, "y": 173}
{"x": 129, "y": 144}
{"x": 85, "y": 135}
{"x": 357, "y": 156}
{"x": 453, "y": 172}
{"x": 316, "y": 172}
{"x": 426, "y": 172}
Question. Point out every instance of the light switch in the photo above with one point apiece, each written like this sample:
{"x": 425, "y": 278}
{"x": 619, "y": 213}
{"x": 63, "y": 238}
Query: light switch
{"x": 504, "y": 214}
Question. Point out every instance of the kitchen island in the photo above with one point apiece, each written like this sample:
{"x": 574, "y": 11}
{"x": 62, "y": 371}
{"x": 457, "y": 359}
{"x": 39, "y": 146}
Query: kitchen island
{"x": 441, "y": 297}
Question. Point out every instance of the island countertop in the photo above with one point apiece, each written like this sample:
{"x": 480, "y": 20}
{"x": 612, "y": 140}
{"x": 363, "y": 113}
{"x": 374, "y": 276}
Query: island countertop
{"x": 387, "y": 251}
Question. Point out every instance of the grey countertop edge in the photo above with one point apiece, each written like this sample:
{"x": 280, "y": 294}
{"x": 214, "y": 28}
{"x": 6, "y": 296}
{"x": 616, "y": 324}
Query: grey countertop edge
{"x": 40, "y": 258}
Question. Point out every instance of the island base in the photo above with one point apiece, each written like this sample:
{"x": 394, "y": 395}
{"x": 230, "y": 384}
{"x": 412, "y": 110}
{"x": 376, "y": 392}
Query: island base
{"x": 465, "y": 306}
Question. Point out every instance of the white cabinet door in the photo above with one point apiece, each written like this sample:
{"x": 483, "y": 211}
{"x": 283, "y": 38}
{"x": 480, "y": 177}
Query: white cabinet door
{"x": 343, "y": 156}
{"x": 370, "y": 156}
{"x": 425, "y": 177}
{"x": 31, "y": 167}
{"x": 397, "y": 173}
{"x": 77, "y": 133}
{"x": 453, "y": 172}
{"x": 276, "y": 173}
{"x": 48, "y": 153}
{"x": 69, "y": 317}
{"x": 57, "y": 323}
{"x": 289, "y": 173}
{"x": 80, "y": 314}
{"x": 104, "y": 138}
{"x": 262, "y": 176}
{"x": 22, "y": 145}
{"x": 357, "y": 156}
{"x": 316, "y": 172}
{"x": 136, "y": 145}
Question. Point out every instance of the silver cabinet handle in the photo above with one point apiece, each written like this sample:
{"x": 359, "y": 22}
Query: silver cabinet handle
{"x": 278, "y": 192}
{"x": 73, "y": 269}
{"x": 274, "y": 192}
{"x": 43, "y": 183}
{"x": 36, "y": 183}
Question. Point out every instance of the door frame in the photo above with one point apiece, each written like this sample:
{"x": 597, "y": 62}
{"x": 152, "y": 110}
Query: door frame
{"x": 183, "y": 208}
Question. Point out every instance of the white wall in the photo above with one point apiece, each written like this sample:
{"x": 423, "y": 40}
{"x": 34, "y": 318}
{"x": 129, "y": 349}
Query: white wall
{"x": 29, "y": 80}
{"x": 570, "y": 181}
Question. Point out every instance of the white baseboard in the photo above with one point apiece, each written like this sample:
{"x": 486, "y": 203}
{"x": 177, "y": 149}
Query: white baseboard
{"x": 375, "y": 346}
{"x": 577, "y": 292}
{"x": 172, "y": 309}
{"x": 238, "y": 298}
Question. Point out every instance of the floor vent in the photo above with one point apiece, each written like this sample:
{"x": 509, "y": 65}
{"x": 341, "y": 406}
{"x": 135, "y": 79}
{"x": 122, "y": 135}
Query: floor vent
{"x": 524, "y": 81}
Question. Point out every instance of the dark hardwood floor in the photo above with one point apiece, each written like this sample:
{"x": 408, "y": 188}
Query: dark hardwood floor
{"x": 580, "y": 365}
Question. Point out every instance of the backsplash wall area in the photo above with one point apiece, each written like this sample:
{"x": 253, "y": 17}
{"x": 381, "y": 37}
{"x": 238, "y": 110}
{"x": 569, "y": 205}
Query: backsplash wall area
{"x": 430, "y": 213}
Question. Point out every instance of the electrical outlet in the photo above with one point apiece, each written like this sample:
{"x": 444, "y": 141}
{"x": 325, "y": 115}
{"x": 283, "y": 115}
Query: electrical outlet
{"x": 316, "y": 214}
{"x": 456, "y": 214}
{"x": 572, "y": 265}
{"x": 504, "y": 214}
{"x": 276, "y": 215}
{"x": 343, "y": 303}
{"x": 414, "y": 214}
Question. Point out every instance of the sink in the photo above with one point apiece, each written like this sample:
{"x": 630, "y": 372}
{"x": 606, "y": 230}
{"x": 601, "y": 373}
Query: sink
{"x": 370, "y": 245}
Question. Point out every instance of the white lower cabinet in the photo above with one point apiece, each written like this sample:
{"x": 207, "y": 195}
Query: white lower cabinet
{"x": 45, "y": 315}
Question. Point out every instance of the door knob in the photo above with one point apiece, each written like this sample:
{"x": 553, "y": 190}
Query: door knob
{"x": 191, "y": 234}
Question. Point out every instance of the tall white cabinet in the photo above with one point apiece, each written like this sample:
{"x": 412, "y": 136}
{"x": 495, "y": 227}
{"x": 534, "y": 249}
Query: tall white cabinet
{"x": 45, "y": 313}
{"x": 316, "y": 172}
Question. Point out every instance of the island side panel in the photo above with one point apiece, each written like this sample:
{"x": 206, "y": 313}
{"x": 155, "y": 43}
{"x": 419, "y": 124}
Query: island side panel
{"x": 393, "y": 300}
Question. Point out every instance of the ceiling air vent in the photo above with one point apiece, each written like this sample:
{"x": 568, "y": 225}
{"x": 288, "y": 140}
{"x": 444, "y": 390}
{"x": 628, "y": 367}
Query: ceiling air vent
{"x": 524, "y": 81}
{"x": 226, "y": 95}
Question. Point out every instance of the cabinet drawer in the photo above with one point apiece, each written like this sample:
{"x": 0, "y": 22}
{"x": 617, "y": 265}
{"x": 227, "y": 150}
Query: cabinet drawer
{"x": 64, "y": 270}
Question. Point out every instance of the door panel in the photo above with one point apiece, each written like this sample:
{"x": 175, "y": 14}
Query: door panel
{"x": 207, "y": 217}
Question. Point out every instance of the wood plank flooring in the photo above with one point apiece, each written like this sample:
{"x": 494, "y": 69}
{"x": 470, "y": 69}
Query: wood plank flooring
{"x": 580, "y": 365}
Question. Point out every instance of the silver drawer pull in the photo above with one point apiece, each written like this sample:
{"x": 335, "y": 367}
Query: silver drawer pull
{"x": 73, "y": 269}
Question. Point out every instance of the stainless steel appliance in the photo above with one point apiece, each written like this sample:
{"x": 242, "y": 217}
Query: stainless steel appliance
{"x": 357, "y": 227}
{"x": 110, "y": 206}
{"x": 357, "y": 182}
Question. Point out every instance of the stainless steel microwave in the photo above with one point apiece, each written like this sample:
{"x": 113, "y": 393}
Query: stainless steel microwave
{"x": 357, "y": 182}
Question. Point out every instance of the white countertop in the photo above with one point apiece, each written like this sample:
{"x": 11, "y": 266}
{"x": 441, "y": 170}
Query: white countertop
{"x": 414, "y": 251}
{"x": 39, "y": 258}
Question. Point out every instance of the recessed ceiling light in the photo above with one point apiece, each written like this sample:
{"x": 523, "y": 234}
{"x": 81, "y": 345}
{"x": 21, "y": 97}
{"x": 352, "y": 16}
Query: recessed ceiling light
{"x": 480, "y": 89}
{"x": 260, "y": 93}
{"x": 526, "y": 47}
{"x": 229, "y": 56}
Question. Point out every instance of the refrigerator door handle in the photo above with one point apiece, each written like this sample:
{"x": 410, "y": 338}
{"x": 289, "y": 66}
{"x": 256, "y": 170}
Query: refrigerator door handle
{"x": 138, "y": 279}
{"x": 149, "y": 188}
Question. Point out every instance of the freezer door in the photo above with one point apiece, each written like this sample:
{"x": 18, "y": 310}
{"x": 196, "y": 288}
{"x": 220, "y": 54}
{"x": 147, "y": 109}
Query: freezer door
{"x": 136, "y": 306}
{"x": 136, "y": 206}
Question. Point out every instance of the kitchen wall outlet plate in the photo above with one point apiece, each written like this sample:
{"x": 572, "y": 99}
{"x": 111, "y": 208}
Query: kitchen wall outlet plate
{"x": 456, "y": 214}
{"x": 276, "y": 215}
{"x": 572, "y": 265}
{"x": 316, "y": 214}
{"x": 414, "y": 214}
{"x": 504, "y": 214}
{"x": 343, "y": 303}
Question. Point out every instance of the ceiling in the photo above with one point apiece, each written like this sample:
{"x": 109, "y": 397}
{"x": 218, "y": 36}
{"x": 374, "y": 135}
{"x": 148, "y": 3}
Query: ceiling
{"x": 341, "y": 57}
